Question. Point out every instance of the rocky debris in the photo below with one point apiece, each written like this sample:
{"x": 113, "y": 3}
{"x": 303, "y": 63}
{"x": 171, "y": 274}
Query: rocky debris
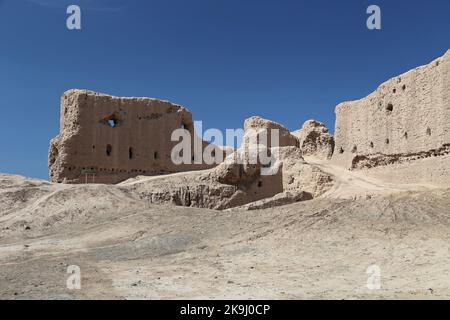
{"x": 298, "y": 175}
{"x": 377, "y": 160}
{"x": 315, "y": 140}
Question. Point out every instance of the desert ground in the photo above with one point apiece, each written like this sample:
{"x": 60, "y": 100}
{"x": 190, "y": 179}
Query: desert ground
{"x": 128, "y": 248}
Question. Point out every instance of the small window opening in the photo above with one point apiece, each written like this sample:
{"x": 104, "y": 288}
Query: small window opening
{"x": 130, "y": 153}
{"x": 405, "y": 135}
{"x": 259, "y": 184}
{"x": 355, "y": 149}
{"x": 428, "y": 132}
{"x": 390, "y": 108}
{"x": 371, "y": 144}
{"x": 341, "y": 150}
{"x": 113, "y": 123}
{"x": 108, "y": 150}
{"x": 394, "y": 91}
{"x": 155, "y": 155}
{"x": 404, "y": 87}
{"x": 387, "y": 141}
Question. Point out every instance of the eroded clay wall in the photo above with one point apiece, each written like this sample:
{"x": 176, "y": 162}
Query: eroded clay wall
{"x": 106, "y": 139}
{"x": 407, "y": 116}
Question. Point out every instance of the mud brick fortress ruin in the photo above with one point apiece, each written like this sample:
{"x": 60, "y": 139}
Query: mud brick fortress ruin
{"x": 399, "y": 132}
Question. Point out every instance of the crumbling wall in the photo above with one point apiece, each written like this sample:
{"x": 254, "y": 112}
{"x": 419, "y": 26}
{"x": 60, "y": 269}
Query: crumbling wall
{"x": 407, "y": 116}
{"x": 315, "y": 140}
{"x": 107, "y": 139}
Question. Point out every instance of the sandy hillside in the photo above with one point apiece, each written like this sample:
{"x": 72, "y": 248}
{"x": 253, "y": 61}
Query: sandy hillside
{"x": 130, "y": 249}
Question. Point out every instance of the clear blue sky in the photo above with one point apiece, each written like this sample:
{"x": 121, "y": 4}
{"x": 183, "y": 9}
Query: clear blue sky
{"x": 225, "y": 60}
